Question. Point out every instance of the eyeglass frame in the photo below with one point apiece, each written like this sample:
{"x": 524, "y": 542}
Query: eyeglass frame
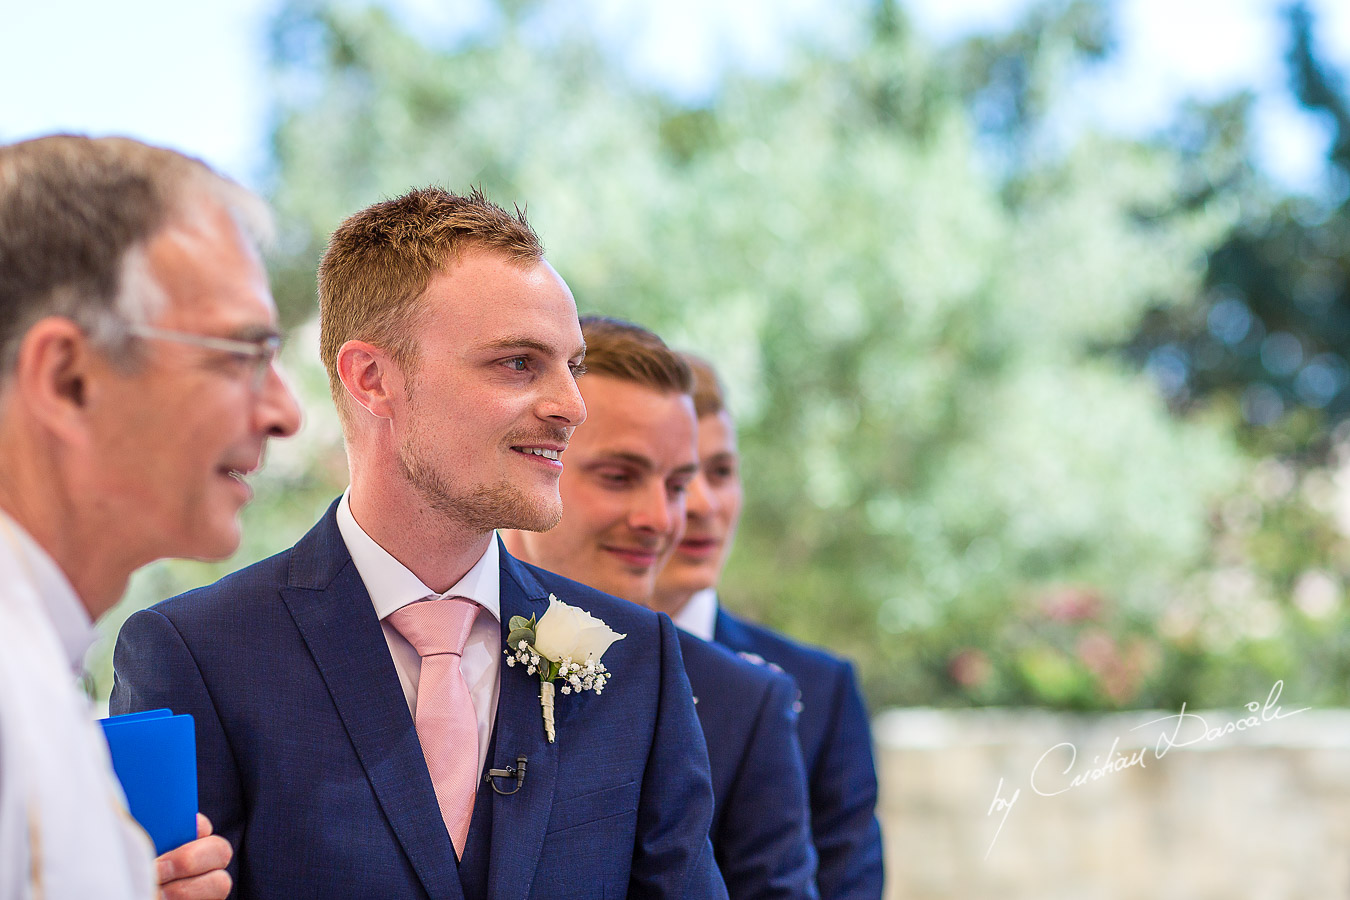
{"x": 262, "y": 353}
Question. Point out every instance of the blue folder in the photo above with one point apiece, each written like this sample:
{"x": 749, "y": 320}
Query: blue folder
{"x": 154, "y": 754}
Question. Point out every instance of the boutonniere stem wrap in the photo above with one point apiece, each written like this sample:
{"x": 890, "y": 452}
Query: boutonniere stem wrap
{"x": 565, "y": 646}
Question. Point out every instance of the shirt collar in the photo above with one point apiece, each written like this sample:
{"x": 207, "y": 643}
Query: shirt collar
{"x": 699, "y": 615}
{"x": 392, "y": 586}
{"x": 57, "y": 597}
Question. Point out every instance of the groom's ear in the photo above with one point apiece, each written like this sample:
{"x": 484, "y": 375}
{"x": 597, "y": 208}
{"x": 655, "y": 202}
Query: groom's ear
{"x": 374, "y": 381}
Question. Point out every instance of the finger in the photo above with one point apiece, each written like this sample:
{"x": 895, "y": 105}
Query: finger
{"x": 194, "y": 858}
{"x": 211, "y": 886}
{"x": 203, "y": 826}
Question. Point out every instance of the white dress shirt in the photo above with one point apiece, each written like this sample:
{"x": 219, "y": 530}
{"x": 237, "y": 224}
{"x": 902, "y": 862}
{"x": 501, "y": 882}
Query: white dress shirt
{"x": 698, "y": 616}
{"x": 392, "y": 586}
{"x": 65, "y": 833}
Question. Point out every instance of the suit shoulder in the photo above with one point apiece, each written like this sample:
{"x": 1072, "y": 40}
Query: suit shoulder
{"x": 237, "y": 590}
{"x": 804, "y": 661}
{"x": 713, "y": 664}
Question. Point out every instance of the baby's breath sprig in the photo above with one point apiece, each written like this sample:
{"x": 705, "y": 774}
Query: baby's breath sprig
{"x": 576, "y": 676}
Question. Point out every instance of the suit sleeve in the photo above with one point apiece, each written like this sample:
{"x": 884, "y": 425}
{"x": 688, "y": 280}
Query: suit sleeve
{"x": 673, "y": 855}
{"x": 844, "y": 800}
{"x": 764, "y": 840}
{"x": 153, "y": 668}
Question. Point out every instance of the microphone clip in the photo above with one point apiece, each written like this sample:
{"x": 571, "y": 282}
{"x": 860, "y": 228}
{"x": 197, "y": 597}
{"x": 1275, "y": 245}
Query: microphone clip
{"x": 516, "y": 772}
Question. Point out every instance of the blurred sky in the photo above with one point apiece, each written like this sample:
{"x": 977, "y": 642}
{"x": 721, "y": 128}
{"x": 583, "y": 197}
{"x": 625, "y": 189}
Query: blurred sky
{"x": 193, "y": 75}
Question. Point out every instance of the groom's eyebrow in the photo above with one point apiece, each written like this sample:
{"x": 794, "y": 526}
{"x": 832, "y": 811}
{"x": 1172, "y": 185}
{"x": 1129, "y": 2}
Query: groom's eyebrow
{"x": 531, "y": 343}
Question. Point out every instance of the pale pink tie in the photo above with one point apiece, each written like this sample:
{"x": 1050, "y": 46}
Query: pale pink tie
{"x": 447, "y": 726}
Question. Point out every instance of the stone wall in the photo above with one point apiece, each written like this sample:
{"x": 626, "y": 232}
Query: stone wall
{"x": 1244, "y": 804}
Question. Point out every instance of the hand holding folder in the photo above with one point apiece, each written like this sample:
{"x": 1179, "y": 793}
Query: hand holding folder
{"x": 154, "y": 754}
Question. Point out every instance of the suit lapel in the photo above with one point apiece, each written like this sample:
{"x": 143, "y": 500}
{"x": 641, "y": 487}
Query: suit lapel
{"x": 729, "y": 633}
{"x": 519, "y": 820}
{"x": 333, "y": 612}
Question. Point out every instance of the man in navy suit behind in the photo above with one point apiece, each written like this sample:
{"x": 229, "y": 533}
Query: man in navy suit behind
{"x": 452, "y": 349}
{"x": 623, "y": 512}
{"x": 836, "y": 741}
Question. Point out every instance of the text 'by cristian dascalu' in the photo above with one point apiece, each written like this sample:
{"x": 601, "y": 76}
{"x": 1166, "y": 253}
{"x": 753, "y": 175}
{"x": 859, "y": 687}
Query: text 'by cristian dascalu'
{"x": 1055, "y": 772}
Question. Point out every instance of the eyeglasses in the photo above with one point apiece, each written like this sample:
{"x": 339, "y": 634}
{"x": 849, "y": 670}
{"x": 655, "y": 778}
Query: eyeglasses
{"x": 259, "y": 354}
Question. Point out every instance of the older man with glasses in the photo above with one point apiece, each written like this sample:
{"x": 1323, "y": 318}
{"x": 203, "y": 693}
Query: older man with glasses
{"x": 137, "y": 390}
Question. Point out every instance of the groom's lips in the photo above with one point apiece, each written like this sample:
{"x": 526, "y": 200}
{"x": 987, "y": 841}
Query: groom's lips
{"x": 547, "y": 455}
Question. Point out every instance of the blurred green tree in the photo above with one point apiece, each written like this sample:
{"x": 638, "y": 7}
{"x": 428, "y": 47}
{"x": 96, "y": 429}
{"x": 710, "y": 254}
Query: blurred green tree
{"x": 950, "y": 475}
{"x": 1269, "y": 336}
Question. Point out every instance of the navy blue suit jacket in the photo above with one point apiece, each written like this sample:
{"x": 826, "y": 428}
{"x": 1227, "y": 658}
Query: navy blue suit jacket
{"x": 761, "y": 831}
{"x": 837, "y": 749}
{"x": 309, "y": 763}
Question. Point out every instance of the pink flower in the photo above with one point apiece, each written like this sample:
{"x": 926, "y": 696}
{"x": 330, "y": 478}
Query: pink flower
{"x": 1071, "y": 603}
{"x": 970, "y": 668}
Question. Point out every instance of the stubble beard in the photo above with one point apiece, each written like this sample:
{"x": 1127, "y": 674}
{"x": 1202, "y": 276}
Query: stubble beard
{"x": 484, "y": 507}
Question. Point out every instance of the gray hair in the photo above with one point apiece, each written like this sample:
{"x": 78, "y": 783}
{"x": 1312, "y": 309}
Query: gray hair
{"x": 76, "y": 214}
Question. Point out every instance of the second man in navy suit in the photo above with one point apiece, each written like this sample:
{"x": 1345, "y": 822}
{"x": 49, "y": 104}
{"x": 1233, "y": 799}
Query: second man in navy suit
{"x": 623, "y": 512}
{"x": 836, "y": 741}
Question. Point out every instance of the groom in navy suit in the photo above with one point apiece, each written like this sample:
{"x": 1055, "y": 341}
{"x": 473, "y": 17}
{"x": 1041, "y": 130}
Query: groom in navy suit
{"x": 623, "y": 512}
{"x": 324, "y": 753}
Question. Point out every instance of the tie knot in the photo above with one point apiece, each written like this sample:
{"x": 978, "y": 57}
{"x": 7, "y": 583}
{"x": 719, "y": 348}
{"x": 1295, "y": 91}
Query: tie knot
{"x": 436, "y": 626}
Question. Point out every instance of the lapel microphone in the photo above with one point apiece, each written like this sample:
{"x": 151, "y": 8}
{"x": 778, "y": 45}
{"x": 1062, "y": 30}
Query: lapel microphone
{"x": 517, "y": 772}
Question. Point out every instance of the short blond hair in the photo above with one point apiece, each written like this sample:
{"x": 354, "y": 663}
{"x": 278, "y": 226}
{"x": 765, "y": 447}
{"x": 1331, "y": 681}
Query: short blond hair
{"x": 380, "y": 260}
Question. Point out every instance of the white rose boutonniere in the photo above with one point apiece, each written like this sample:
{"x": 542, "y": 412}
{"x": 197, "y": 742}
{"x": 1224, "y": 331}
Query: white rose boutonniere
{"x": 566, "y": 643}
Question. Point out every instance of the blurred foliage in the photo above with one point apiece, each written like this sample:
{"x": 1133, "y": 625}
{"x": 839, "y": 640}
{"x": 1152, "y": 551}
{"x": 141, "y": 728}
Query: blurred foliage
{"x": 1271, "y": 331}
{"x": 916, "y": 299}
